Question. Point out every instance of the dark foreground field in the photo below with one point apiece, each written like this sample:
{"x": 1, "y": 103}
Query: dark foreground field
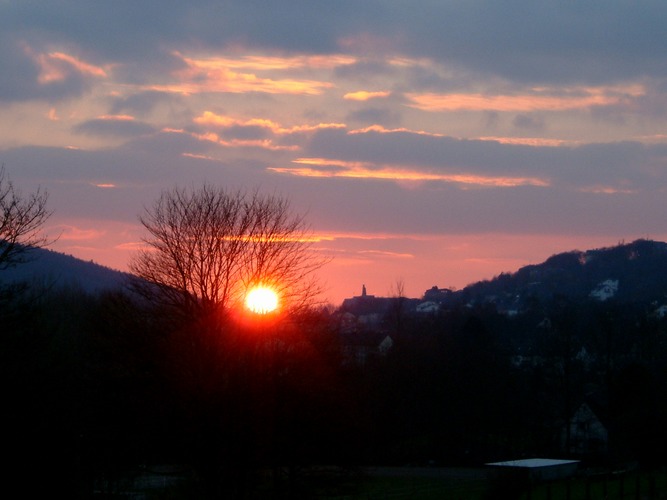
{"x": 369, "y": 483}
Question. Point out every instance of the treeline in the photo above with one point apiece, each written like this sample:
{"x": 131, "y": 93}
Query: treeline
{"x": 472, "y": 384}
{"x": 95, "y": 385}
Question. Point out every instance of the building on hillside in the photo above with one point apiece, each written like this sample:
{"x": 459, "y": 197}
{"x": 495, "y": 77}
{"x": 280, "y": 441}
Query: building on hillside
{"x": 361, "y": 347}
{"x": 428, "y": 307}
{"x": 531, "y": 470}
{"x": 437, "y": 295}
{"x": 368, "y": 310}
{"x": 587, "y": 434}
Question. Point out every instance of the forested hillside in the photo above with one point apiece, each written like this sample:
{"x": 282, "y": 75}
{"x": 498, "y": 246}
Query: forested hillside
{"x": 95, "y": 384}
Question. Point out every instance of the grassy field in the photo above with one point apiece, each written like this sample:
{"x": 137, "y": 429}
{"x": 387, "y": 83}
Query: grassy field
{"x": 471, "y": 484}
{"x": 621, "y": 486}
{"x": 428, "y": 483}
{"x": 412, "y": 483}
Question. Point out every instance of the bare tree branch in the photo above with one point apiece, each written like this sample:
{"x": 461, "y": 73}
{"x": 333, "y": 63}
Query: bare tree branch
{"x": 21, "y": 221}
{"x": 207, "y": 247}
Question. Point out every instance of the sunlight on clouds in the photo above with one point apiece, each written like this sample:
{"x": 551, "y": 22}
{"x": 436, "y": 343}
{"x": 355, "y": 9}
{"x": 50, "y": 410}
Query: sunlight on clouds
{"x": 73, "y": 233}
{"x": 132, "y": 246}
{"x": 198, "y": 156}
{"x": 244, "y": 143}
{"x": 55, "y": 66}
{"x": 361, "y": 170}
{"x": 116, "y": 118}
{"x": 478, "y": 102}
{"x": 531, "y": 141}
{"x": 215, "y": 75}
{"x": 363, "y": 95}
{"x": 332, "y": 162}
{"x": 234, "y": 83}
{"x": 214, "y": 138}
{"x": 212, "y": 119}
{"x": 265, "y": 63}
{"x": 382, "y": 130}
{"x": 407, "y": 62}
{"x": 385, "y": 253}
{"x": 651, "y": 139}
{"x": 339, "y": 235}
{"x": 544, "y": 99}
{"x": 606, "y": 190}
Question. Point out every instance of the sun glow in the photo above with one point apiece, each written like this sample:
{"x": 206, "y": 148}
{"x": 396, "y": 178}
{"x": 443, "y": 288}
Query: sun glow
{"x": 261, "y": 300}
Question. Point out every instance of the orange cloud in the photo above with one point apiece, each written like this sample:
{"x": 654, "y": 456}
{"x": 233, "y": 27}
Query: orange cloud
{"x": 531, "y": 141}
{"x": 231, "y": 143}
{"x": 116, "y": 118}
{"x": 361, "y": 170}
{"x": 380, "y": 129}
{"x": 218, "y": 75}
{"x": 198, "y": 156}
{"x": 266, "y": 63}
{"x": 385, "y": 253}
{"x": 405, "y": 62}
{"x": 363, "y": 95}
{"x": 55, "y": 66}
{"x": 606, "y": 190}
{"x": 652, "y": 139}
{"x": 132, "y": 246}
{"x": 212, "y": 119}
{"x": 337, "y": 235}
{"x": 540, "y": 100}
{"x": 244, "y": 143}
{"x": 72, "y": 233}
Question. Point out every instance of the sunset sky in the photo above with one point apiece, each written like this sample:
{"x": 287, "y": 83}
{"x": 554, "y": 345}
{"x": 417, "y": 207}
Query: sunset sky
{"x": 428, "y": 142}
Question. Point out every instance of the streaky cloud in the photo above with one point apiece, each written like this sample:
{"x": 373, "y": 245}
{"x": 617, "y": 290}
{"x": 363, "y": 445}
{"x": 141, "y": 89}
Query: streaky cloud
{"x": 364, "y": 95}
{"x": 360, "y": 170}
{"x": 523, "y": 103}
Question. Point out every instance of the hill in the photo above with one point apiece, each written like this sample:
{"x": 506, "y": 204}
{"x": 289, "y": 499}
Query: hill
{"x": 53, "y": 269}
{"x": 627, "y": 273}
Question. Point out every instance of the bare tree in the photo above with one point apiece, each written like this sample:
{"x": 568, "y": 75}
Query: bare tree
{"x": 207, "y": 247}
{"x": 21, "y": 221}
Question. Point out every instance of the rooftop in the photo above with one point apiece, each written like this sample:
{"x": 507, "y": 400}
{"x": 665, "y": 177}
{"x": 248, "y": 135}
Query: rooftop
{"x": 533, "y": 462}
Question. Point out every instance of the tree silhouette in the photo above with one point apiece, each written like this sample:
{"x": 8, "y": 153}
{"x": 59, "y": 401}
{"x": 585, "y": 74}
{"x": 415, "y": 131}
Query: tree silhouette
{"x": 21, "y": 220}
{"x": 207, "y": 247}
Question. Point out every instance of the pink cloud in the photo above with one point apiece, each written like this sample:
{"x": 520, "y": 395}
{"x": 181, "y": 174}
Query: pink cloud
{"x": 56, "y": 66}
{"x": 73, "y": 233}
{"x": 208, "y": 118}
{"x": 532, "y": 141}
{"x": 363, "y": 170}
{"x": 116, "y": 118}
{"x": 221, "y": 75}
{"x": 382, "y": 130}
{"x": 536, "y": 100}
{"x": 267, "y": 144}
{"x": 363, "y": 95}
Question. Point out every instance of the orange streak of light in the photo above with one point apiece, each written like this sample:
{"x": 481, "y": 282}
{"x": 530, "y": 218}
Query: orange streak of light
{"x": 359, "y": 170}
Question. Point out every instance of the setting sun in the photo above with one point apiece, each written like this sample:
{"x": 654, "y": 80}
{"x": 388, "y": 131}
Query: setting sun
{"x": 261, "y": 300}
